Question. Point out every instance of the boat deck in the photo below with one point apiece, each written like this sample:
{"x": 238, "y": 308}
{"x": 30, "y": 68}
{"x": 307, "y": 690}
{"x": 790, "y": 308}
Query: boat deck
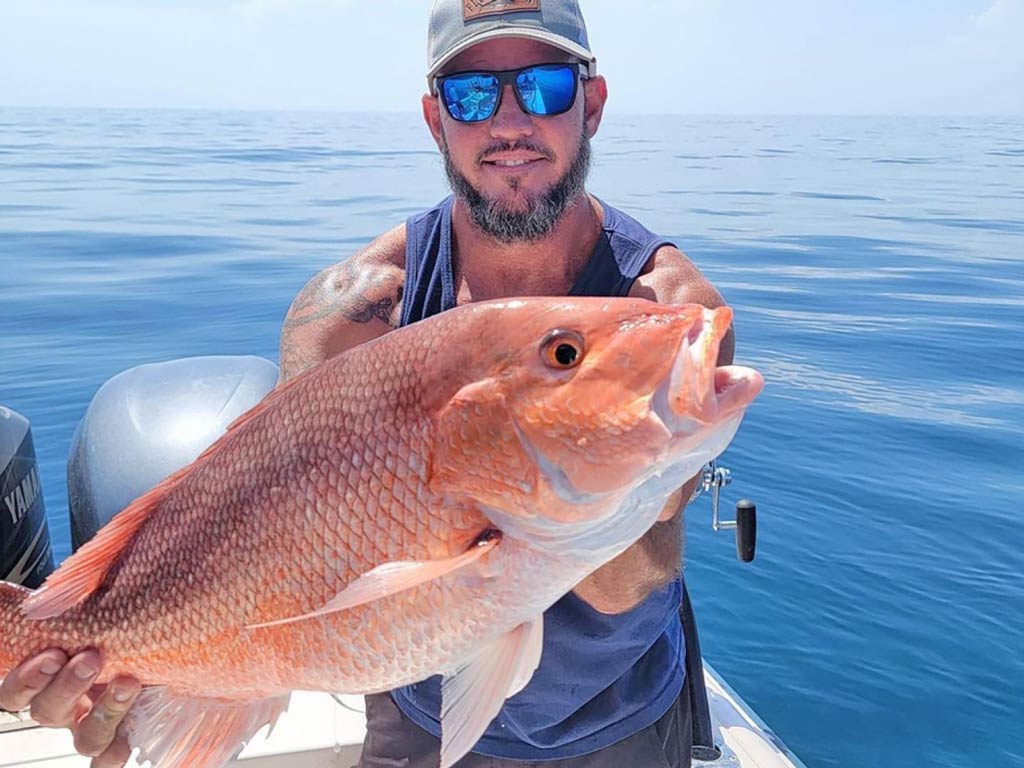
{"x": 319, "y": 731}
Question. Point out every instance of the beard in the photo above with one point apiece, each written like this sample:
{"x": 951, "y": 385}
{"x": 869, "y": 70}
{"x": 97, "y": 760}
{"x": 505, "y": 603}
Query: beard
{"x": 539, "y": 214}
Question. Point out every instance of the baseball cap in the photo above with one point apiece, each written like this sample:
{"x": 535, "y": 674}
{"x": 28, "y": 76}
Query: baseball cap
{"x": 456, "y": 25}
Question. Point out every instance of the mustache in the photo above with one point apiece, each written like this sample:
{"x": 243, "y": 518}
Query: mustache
{"x": 508, "y": 146}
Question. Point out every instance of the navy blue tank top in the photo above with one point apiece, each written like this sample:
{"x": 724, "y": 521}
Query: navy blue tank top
{"x": 601, "y": 678}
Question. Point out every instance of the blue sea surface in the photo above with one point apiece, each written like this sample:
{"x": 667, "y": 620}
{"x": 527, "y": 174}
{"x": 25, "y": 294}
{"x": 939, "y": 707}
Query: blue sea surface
{"x": 876, "y": 267}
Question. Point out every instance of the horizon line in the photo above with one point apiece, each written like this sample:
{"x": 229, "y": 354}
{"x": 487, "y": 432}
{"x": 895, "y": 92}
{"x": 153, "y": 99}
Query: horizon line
{"x": 612, "y": 115}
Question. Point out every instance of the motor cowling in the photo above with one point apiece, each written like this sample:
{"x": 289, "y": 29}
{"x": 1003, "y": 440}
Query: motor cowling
{"x": 26, "y": 556}
{"x": 149, "y": 421}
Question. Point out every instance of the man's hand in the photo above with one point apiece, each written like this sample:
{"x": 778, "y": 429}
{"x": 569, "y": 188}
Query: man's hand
{"x": 60, "y": 694}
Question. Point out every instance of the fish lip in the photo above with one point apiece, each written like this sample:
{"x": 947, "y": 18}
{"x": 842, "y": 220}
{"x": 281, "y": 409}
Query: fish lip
{"x": 712, "y": 399}
{"x": 736, "y": 386}
{"x": 677, "y": 378}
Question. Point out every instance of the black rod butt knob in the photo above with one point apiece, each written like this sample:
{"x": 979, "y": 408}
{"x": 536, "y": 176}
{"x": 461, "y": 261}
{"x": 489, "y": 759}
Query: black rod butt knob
{"x": 746, "y": 529}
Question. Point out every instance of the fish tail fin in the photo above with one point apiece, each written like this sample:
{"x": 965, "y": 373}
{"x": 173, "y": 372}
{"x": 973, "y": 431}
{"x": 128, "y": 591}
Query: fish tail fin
{"x": 176, "y": 731}
{"x": 11, "y": 650}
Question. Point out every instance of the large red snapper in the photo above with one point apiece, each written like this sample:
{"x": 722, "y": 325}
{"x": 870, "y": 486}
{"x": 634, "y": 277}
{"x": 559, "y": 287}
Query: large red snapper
{"x": 408, "y": 508}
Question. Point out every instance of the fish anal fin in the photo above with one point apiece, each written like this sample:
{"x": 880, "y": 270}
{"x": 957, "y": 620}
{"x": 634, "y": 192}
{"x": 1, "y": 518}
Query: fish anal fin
{"x": 472, "y": 697}
{"x": 82, "y": 573}
{"x": 391, "y": 578}
{"x": 175, "y": 731}
{"x": 528, "y": 658}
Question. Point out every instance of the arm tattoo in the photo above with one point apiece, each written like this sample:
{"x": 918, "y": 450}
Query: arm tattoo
{"x": 343, "y": 291}
{"x": 383, "y": 310}
{"x": 351, "y": 300}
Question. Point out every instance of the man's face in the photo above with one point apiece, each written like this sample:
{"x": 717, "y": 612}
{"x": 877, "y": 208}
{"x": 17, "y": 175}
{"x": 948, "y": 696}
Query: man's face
{"x": 516, "y": 172}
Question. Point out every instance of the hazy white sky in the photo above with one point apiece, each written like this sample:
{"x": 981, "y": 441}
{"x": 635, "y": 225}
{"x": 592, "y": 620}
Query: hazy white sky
{"x": 695, "y": 56}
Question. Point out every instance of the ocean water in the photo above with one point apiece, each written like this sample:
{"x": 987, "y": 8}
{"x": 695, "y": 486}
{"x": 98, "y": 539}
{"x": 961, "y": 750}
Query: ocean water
{"x": 876, "y": 266}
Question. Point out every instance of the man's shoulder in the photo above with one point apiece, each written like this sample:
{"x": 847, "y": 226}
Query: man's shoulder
{"x": 380, "y": 265}
{"x": 385, "y": 253}
{"x": 671, "y": 277}
{"x": 374, "y": 272}
{"x": 348, "y": 303}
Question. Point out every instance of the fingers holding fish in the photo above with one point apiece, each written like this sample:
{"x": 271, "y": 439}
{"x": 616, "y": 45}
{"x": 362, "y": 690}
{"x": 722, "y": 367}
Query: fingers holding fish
{"x": 56, "y": 705}
{"x": 96, "y": 729}
{"x": 23, "y": 683}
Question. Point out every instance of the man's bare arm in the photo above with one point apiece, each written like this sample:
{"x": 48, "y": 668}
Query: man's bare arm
{"x": 344, "y": 305}
{"x": 655, "y": 560}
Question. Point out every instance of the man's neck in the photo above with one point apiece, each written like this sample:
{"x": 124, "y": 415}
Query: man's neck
{"x": 488, "y": 269}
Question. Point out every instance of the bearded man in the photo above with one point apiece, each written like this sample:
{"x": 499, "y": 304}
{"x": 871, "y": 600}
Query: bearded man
{"x": 513, "y": 101}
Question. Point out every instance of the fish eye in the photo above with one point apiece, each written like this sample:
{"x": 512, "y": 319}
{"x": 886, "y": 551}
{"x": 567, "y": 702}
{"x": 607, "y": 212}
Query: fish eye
{"x": 562, "y": 349}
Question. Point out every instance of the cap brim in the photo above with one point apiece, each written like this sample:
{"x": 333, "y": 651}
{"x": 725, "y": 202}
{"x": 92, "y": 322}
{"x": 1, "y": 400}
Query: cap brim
{"x": 563, "y": 43}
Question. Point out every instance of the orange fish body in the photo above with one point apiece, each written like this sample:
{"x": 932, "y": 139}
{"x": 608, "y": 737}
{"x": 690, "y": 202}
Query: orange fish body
{"x": 409, "y": 508}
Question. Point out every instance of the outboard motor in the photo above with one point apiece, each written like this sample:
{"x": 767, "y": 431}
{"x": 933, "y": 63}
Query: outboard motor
{"x": 25, "y": 553}
{"x": 147, "y": 422}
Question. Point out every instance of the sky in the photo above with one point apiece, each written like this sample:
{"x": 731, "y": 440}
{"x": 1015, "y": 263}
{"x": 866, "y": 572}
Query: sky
{"x": 660, "y": 56}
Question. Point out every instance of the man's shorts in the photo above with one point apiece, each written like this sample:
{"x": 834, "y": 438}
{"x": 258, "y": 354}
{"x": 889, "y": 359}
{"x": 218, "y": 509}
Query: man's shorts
{"x": 395, "y": 741}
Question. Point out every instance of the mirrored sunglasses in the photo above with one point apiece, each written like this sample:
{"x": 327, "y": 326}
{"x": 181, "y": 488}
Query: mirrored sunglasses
{"x": 543, "y": 90}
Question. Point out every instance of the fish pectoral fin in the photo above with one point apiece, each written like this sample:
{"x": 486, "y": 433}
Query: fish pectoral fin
{"x": 472, "y": 697}
{"x": 175, "y": 731}
{"x": 390, "y": 578}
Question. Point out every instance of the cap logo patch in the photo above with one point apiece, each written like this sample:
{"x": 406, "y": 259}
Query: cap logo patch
{"x": 474, "y": 9}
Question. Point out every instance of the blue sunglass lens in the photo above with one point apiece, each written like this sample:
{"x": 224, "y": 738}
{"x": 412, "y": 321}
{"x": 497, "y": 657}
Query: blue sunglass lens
{"x": 547, "y": 90}
{"x": 471, "y": 97}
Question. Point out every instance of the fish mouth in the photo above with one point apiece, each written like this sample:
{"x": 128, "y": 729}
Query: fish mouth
{"x": 697, "y": 393}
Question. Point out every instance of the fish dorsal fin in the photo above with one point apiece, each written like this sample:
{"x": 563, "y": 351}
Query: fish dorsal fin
{"x": 252, "y": 413}
{"x": 257, "y": 410}
{"x": 82, "y": 573}
{"x": 390, "y": 578}
{"x": 472, "y": 697}
{"x": 174, "y": 731}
